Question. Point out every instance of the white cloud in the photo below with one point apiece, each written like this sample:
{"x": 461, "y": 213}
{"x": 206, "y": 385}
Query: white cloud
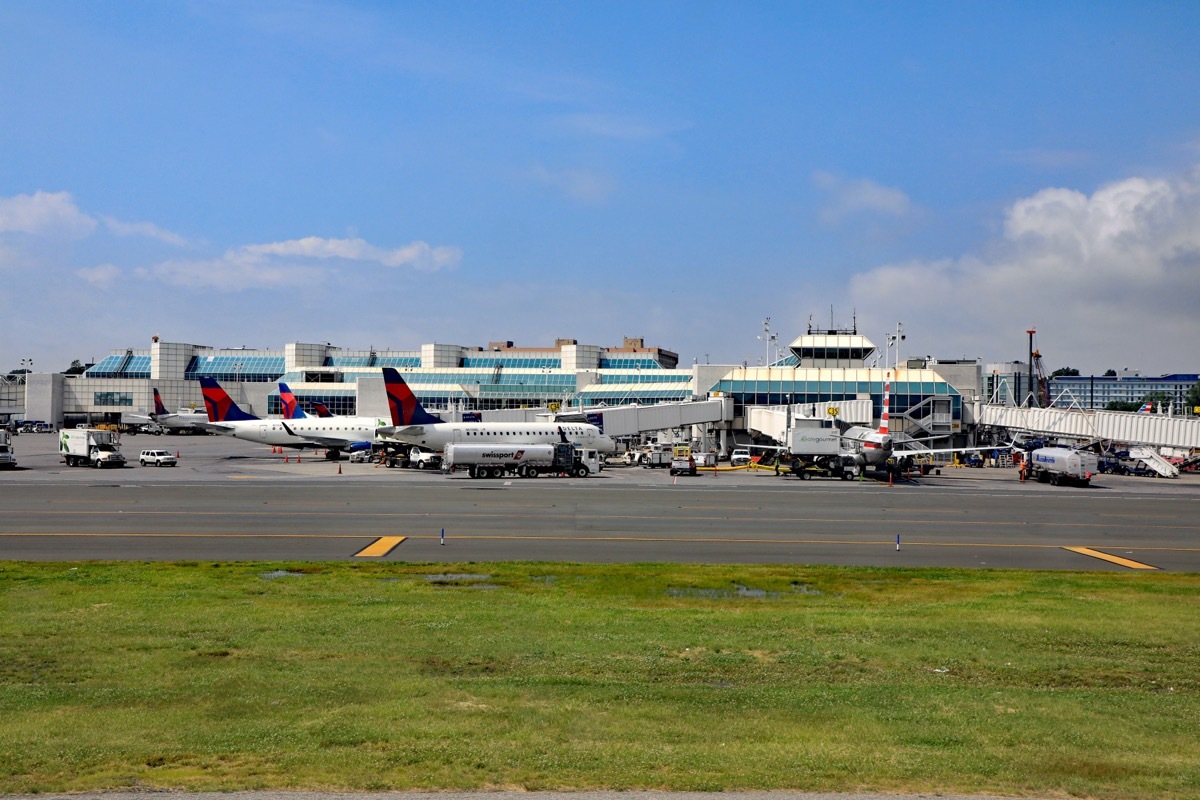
{"x": 852, "y": 196}
{"x": 418, "y": 255}
{"x": 582, "y": 185}
{"x": 44, "y": 213}
{"x": 1110, "y": 278}
{"x": 102, "y": 275}
{"x": 146, "y": 229}
{"x": 278, "y": 264}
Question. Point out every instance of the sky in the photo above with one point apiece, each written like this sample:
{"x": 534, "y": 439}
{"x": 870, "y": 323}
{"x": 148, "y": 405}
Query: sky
{"x": 398, "y": 173}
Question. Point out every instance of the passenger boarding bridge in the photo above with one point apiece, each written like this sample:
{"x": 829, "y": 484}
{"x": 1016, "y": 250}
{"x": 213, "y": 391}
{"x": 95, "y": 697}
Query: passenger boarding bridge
{"x": 1153, "y": 430}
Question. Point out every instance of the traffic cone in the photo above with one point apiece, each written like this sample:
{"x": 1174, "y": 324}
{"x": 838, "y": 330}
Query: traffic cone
{"x": 339, "y": 468}
{"x": 177, "y": 455}
{"x": 285, "y": 458}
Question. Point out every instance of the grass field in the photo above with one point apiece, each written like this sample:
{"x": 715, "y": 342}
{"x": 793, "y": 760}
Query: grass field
{"x": 553, "y": 676}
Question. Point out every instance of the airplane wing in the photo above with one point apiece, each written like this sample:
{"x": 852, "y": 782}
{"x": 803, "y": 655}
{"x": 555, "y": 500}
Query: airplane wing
{"x": 215, "y": 427}
{"x": 337, "y": 443}
{"x": 898, "y": 449}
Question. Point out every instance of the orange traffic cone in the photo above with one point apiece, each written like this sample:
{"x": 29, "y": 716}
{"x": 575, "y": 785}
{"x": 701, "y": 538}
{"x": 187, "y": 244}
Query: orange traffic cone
{"x": 339, "y": 468}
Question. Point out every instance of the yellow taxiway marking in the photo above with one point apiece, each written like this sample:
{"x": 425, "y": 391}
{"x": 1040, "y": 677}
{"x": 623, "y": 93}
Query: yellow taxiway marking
{"x": 1124, "y": 562}
{"x": 380, "y": 547}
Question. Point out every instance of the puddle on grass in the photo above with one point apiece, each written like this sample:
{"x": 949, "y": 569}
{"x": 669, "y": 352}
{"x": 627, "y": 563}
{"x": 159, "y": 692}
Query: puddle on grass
{"x": 280, "y": 573}
{"x": 738, "y": 591}
{"x": 462, "y": 579}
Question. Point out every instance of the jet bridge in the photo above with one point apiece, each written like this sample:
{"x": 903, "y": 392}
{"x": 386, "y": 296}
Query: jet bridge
{"x": 633, "y": 420}
{"x": 1153, "y": 430}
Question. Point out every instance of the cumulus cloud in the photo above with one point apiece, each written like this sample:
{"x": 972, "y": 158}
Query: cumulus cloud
{"x": 582, "y": 185}
{"x": 44, "y": 213}
{"x": 853, "y": 196}
{"x": 283, "y": 263}
{"x": 146, "y": 229}
{"x": 418, "y": 255}
{"x": 1109, "y": 277}
{"x": 102, "y": 275}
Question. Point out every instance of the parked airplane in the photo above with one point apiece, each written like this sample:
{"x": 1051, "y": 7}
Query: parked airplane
{"x": 866, "y": 448}
{"x": 186, "y": 419}
{"x": 334, "y": 434}
{"x": 291, "y": 407}
{"x": 416, "y": 426}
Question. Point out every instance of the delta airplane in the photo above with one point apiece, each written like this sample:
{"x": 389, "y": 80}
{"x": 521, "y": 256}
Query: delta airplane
{"x": 189, "y": 419}
{"x": 334, "y": 434}
{"x": 415, "y": 426}
{"x": 291, "y": 407}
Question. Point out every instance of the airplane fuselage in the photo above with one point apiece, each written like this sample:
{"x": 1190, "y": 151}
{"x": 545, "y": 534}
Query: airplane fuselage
{"x": 437, "y": 436}
{"x": 331, "y": 432}
{"x": 867, "y": 446}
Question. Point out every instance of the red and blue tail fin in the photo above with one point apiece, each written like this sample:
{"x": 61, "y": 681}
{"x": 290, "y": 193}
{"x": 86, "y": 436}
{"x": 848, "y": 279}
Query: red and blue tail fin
{"x": 159, "y": 408}
{"x": 219, "y": 405}
{"x": 291, "y": 408}
{"x": 405, "y": 408}
{"x": 322, "y": 410}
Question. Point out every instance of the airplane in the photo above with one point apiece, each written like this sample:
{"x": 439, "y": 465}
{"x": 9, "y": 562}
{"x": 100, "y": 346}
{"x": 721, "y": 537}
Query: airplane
{"x": 333, "y": 434}
{"x": 322, "y": 410}
{"x": 415, "y": 426}
{"x": 870, "y": 448}
{"x": 186, "y": 419}
{"x": 291, "y": 408}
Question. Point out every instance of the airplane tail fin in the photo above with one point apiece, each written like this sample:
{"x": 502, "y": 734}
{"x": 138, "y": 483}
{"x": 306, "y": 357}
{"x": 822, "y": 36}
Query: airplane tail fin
{"x": 291, "y": 408}
{"x": 887, "y": 403}
{"x": 159, "y": 408}
{"x": 219, "y": 404}
{"x": 405, "y": 408}
{"x": 322, "y": 410}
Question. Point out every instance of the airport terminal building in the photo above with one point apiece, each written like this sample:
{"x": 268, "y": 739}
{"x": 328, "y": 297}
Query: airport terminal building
{"x": 821, "y": 367}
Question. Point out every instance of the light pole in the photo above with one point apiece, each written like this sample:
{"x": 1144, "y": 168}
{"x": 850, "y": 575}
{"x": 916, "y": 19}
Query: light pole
{"x": 237, "y": 375}
{"x": 27, "y": 364}
{"x": 768, "y": 339}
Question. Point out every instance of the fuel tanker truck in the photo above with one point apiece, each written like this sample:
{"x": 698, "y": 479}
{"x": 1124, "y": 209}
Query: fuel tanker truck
{"x": 1062, "y": 465}
{"x": 523, "y": 460}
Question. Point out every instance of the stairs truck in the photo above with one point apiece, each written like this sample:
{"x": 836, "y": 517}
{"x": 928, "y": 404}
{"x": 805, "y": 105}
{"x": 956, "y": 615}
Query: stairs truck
{"x": 1059, "y": 465}
{"x": 522, "y": 460}
{"x": 90, "y": 447}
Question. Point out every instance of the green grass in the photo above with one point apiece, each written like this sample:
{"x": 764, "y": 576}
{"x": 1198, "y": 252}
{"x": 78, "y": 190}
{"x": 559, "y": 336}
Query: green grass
{"x": 553, "y": 676}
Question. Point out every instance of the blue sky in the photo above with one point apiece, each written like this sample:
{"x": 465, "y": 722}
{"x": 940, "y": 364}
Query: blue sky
{"x": 391, "y": 174}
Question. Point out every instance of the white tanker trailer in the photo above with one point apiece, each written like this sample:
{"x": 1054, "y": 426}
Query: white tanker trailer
{"x": 523, "y": 460}
{"x": 1062, "y": 465}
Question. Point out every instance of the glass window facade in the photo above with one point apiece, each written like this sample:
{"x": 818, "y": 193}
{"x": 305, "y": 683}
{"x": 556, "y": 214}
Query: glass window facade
{"x": 249, "y": 368}
{"x": 120, "y": 366}
{"x": 124, "y": 399}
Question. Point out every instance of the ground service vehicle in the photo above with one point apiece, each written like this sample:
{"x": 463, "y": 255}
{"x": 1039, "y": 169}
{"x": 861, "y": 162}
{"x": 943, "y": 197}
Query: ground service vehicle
{"x": 525, "y": 461}
{"x": 1062, "y": 465}
{"x": 656, "y": 458}
{"x": 7, "y": 459}
{"x": 423, "y": 458}
{"x": 159, "y": 458}
{"x": 84, "y": 447}
{"x": 682, "y": 462}
{"x": 740, "y": 457}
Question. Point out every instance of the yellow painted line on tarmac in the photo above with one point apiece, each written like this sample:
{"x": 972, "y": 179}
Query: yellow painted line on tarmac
{"x": 1124, "y": 562}
{"x": 380, "y": 547}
